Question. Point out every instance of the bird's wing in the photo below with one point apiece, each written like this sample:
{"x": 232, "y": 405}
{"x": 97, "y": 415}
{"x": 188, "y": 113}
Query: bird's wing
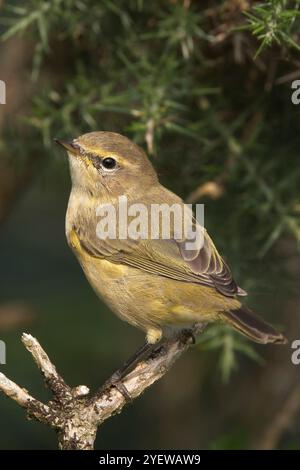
{"x": 167, "y": 258}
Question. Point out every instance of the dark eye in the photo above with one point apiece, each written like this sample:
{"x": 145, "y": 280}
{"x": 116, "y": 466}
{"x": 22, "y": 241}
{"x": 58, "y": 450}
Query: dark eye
{"x": 109, "y": 163}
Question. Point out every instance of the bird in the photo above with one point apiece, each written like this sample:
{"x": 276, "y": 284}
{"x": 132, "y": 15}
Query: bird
{"x": 153, "y": 284}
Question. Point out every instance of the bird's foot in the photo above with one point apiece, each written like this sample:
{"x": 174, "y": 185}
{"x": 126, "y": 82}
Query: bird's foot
{"x": 116, "y": 381}
{"x": 187, "y": 336}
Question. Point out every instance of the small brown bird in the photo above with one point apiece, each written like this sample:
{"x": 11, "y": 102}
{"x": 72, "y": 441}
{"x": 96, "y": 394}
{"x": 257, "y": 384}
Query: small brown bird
{"x": 153, "y": 284}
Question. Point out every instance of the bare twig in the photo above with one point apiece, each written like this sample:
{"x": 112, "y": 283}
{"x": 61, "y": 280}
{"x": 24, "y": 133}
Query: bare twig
{"x": 282, "y": 420}
{"x": 72, "y": 413}
{"x": 16, "y": 393}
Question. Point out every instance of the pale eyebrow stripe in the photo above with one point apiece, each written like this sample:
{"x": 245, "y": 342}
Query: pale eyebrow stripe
{"x": 101, "y": 154}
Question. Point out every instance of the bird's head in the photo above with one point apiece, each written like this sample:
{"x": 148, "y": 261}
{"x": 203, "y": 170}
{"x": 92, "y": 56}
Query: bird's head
{"x": 108, "y": 162}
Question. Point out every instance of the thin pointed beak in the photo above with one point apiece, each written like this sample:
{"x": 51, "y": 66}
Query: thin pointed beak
{"x": 70, "y": 146}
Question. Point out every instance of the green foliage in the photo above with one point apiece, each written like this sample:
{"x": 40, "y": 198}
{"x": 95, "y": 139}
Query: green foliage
{"x": 275, "y": 22}
{"x": 180, "y": 78}
{"x": 229, "y": 343}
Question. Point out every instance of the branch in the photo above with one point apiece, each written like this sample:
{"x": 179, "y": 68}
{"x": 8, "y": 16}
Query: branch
{"x": 72, "y": 412}
{"x": 281, "y": 421}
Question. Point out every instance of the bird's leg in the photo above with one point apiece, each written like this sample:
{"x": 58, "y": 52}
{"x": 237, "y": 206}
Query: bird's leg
{"x": 115, "y": 380}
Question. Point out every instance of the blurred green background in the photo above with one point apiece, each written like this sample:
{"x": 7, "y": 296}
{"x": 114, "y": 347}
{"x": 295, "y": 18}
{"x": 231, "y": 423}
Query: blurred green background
{"x": 205, "y": 88}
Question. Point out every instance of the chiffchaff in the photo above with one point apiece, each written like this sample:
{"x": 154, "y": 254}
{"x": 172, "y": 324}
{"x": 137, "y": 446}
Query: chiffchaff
{"x": 153, "y": 284}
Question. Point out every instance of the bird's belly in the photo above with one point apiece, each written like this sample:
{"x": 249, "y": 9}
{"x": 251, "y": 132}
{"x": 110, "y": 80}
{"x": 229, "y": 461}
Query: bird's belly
{"x": 146, "y": 300}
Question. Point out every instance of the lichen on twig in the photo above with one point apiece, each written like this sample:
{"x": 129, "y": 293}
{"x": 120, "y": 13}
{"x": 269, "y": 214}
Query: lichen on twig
{"x": 72, "y": 412}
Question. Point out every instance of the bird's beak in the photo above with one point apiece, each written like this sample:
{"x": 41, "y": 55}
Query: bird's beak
{"x": 70, "y": 146}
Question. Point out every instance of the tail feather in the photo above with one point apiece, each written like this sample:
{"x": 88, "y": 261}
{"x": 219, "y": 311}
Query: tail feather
{"x": 253, "y": 326}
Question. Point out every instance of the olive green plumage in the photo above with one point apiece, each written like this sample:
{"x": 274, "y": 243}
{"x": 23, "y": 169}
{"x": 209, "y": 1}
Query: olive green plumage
{"x": 152, "y": 284}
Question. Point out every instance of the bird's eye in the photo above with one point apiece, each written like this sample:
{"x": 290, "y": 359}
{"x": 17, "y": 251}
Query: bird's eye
{"x": 109, "y": 163}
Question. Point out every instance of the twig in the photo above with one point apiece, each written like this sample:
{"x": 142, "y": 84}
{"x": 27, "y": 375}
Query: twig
{"x": 18, "y": 394}
{"x": 72, "y": 413}
{"x": 282, "y": 420}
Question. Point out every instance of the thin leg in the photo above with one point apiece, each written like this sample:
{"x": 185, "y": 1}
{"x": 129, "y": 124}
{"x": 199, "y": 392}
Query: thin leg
{"x": 141, "y": 354}
{"x": 115, "y": 380}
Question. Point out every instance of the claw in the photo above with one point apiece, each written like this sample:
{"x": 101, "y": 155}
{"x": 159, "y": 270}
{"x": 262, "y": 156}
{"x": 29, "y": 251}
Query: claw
{"x": 116, "y": 381}
{"x": 123, "y": 390}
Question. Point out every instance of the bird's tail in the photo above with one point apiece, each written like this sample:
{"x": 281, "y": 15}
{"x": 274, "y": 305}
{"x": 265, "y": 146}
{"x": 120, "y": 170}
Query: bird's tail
{"x": 245, "y": 321}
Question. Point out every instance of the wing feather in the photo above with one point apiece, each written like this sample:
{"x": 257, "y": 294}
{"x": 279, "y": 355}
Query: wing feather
{"x": 166, "y": 258}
